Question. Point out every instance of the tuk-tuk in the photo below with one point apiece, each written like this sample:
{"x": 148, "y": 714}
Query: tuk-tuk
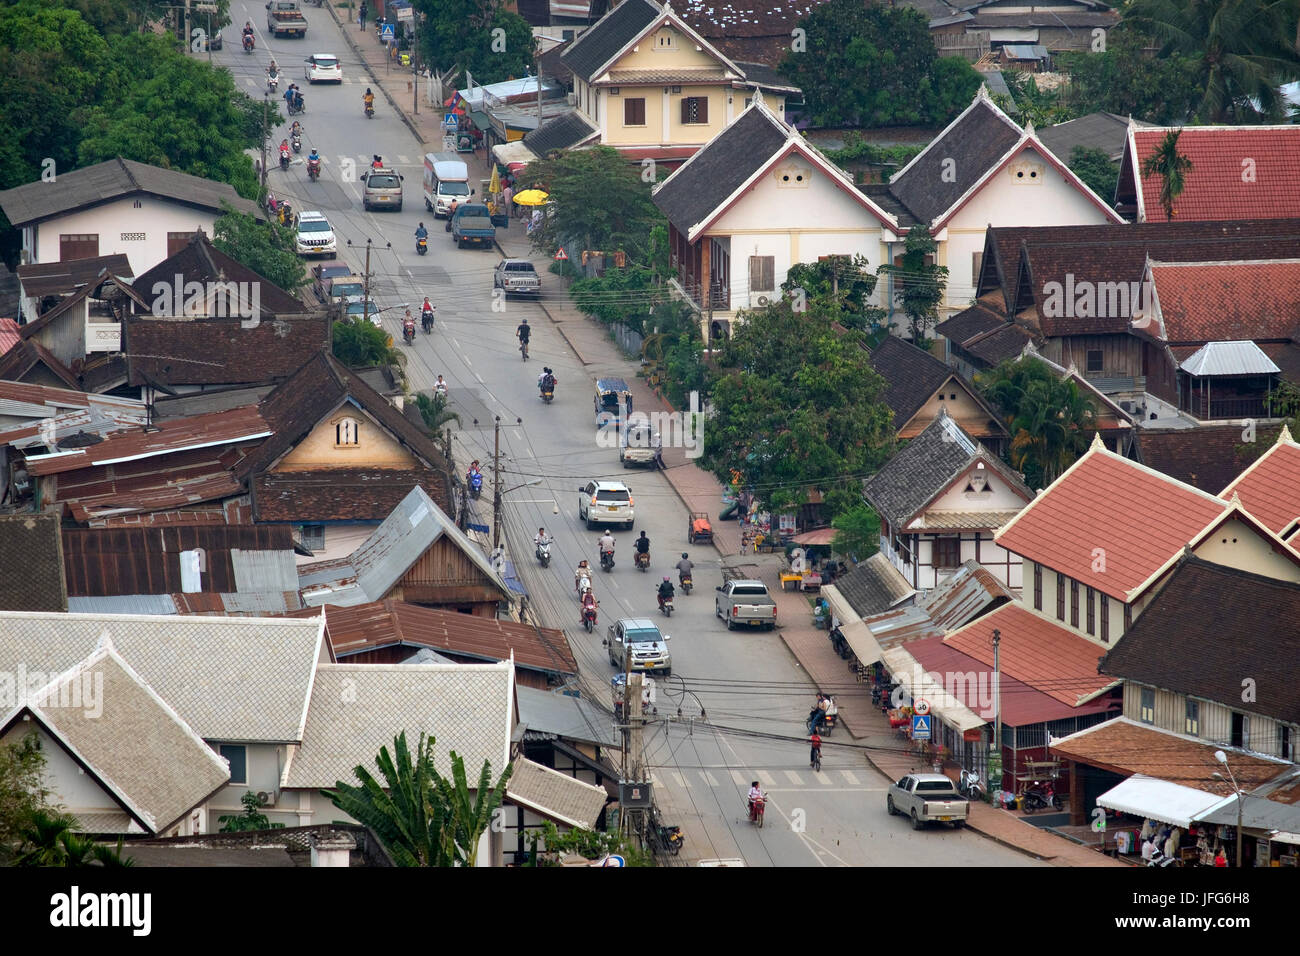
{"x": 640, "y": 444}
{"x": 613, "y": 402}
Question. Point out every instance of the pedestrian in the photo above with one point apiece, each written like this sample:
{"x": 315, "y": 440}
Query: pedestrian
{"x": 1220, "y": 858}
{"x": 364, "y": 11}
{"x": 451, "y": 212}
{"x": 507, "y": 200}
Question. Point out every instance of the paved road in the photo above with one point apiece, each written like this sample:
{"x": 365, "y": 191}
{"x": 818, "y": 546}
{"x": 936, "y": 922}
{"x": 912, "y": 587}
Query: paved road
{"x": 752, "y": 690}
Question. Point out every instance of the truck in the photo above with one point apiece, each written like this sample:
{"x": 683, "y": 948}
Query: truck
{"x": 640, "y": 443}
{"x": 927, "y": 798}
{"x": 284, "y": 18}
{"x": 445, "y": 179}
{"x": 516, "y": 277}
{"x": 638, "y": 644}
{"x": 472, "y": 225}
{"x": 744, "y": 601}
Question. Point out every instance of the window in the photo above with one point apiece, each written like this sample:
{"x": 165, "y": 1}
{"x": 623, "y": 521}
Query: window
{"x": 1193, "y": 722}
{"x": 1241, "y": 731}
{"x": 238, "y": 757}
{"x": 1095, "y": 362}
{"x": 1092, "y": 611}
{"x": 1105, "y": 619}
{"x": 1074, "y": 603}
{"x": 976, "y": 261}
{"x": 1038, "y": 587}
{"x": 947, "y": 552}
{"x": 78, "y": 246}
{"x": 665, "y": 40}
{"x": 1147, "y": 708}
{"x": 695, "y": 110}
{"x": 1060, "y": 596}
{"x": 176, "y": 241}
{"x": 1128, "y": 617}
{"x": 1284, "y": 742}
{"x": 634, "y": 111}
{"x": 762, "y": 273}
{"x": 313, "y": 537}
{"x": 345, "y": 432}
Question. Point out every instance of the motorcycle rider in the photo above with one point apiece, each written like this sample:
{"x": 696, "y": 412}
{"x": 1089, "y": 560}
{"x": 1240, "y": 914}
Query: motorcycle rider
{"x": 666, "y": 591}
{"x": 426, "y": 314}
{"x": 684, "y": 568}
{"x": 755, "y": 794}
{"x": 545, "y": 380}
{"x": 297, "y": 98}
{"x": 421, "y": 233}
{"x": 816, "y": 743}
{"x": 643, "y": 545}
{"x": 369, "y": 100}
{"x": 408, "y": 330}
{"x": 523, "y": 333}
{"x": 273, "y": 69}
{"x": 440, "y": 388}
{"x": 377, "y": 162}
{"x": 588, "y": 602}
{"x": 540, "y": 539}
{"x": 583, "y": 571}
{"x": 606, "y": 543}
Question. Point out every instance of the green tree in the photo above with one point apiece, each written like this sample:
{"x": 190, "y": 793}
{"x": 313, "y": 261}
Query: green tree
{"x": 871, "y": 65}
{"x": 434, "y": 411}
{"x": 264, "y": 247}
{"x": 797, "y": 407}
{"x": 842, "y": 285}
{"x": 1172, "y": 167}
{"x": 1051, "y": 420}
{"x": 919, "y": 284}
{"x": 1041, "y": 107}
{"x": 1097, "y": 171}
{"x": 22, "y": 788}
{"x": 49, "y": 838}
{"x": 460, "y": 34}
{"x": 1243, "y": 51}
{"x": 1128, "y": 80}
{"x": 857, "y": 532}
{"x": 362, "y": 344}
{"x": 251, "y": 819}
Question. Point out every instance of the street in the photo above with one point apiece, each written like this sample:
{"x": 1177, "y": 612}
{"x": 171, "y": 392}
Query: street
{"x": 750, "y": 687}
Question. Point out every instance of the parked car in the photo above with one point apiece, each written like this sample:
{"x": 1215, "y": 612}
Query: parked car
{"x": 324, "y": 68}
{"x": 640, "y": 443}
{"x": 927, "y": 798}
{"x": 356, "y": 306}
{"x": 315, "y": 236}
{"x": 382, "y": 189}
{"x": 606, "y": 502}
{"x": 649, "y": 648}
{"x": 745, "y": 601}
{"x": 325, "y": 271}
{"x": 516, "y": 277}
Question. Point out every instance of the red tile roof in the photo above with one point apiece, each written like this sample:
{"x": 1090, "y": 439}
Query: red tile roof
{"x": 1228, "y": 301}
{"x": 1106, "y": 506}
{"x": 1036, "y": 652}
{"x": 1270, "y": 488}
{"x": 9, "y": 335}
{"x": 1217, "y": 186}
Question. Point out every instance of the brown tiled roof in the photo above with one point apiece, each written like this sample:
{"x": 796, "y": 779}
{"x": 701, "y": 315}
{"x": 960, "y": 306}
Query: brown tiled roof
{"x": 912, "y": 376}
{"x": 1270, "y": 488}
{"x": 17, "y": 364}
{"x": 342, "y": 494}
{"x": 167, "y": 352}
{"x": 1205, "y": 458}
{"x": 111, "y": 561}
{"x": 200, "y": 261}
{"x": 31, "y": 564}
{"x": 1209, "y": 627}
{"x": 368, "y": 627}
{"x": 164, "y": 490}
{"x": 985, "y": 334}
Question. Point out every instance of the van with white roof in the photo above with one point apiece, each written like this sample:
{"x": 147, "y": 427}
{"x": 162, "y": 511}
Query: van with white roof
{"x": 445, "y": 180}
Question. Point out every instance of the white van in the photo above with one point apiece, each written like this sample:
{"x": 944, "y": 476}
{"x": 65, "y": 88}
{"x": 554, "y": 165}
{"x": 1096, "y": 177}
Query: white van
{"x": 444, "y": 180}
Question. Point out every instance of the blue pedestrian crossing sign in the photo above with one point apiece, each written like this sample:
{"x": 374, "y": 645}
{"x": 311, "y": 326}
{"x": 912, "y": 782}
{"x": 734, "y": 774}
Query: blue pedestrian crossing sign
{"x": 388, "y": 33}
{"x": 920, "y": 726}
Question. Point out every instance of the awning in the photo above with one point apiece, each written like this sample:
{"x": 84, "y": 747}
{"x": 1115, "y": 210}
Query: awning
{"x": 1153, "y": 799}
{"x": 905, "y": 669}
{"x": 812, "y": 539}
{"x": 508, "y": 154}
{"x": 1257, "y": 813}
{"x": 555, "y": 795}
{"x": 1281, "y": 837}
{"x": 856, "y": 633}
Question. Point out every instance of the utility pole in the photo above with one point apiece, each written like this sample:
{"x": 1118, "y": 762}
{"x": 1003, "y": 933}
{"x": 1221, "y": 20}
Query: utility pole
{"x": 266, "y": 115}
{"x": 496, "y": 486}
{"x": 635, "y": 742}
{"x": 997, "y": 709}
{"x": 365, "y": 289}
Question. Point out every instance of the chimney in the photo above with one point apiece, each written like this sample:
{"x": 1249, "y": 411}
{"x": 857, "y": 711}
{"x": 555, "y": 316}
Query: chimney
{"x": 333, "y": 849}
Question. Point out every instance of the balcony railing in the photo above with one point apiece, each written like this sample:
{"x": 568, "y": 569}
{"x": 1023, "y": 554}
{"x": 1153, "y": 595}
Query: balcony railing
{"x": 718, "y": 293}
{"x": 1229, "y": 408}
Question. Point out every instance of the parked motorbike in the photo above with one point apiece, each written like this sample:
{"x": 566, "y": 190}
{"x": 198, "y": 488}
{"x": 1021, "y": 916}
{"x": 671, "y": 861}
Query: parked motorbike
{"x": 643, "y": 560}
{"x": 589, "y": 618}
{"x": 475, "y": 484}
{"x": 313, "y": 169}
{"x": 838, "y": 642}
{"x": 426, "y": 319}
{"x": 543, "y": 553}
{"x": 422, "y": 245}
{"x": 756, "y": 808}
{"x": 1040, "y": 796}
{"x": 408, "y": 332}
{"x": 969, "y": 785}
{"x": 670, "y": 838}
{"x": 666, "y": 605}
{"x": 686, "y": 583}
{"x": 607, "y": 560}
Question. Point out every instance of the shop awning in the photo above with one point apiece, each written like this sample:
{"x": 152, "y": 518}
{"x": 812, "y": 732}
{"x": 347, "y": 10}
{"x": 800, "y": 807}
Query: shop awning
{"x": 1281, "y": 837}
{"x": 905, "y": 669}
{"x": 1153, "y": 799}
{"x": 509, "y": 154}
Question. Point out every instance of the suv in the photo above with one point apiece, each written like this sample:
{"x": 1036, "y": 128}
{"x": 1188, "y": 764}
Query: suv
{"x": 649, "y": 648}
{"x": 383, "y": 189}
{"x": 315, "y": 236}
{"x": 606, "y": 502}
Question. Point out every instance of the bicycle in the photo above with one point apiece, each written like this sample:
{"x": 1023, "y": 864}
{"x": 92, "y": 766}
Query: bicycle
{"x": 523, "y": 350}
{"x": 817, "y": 760}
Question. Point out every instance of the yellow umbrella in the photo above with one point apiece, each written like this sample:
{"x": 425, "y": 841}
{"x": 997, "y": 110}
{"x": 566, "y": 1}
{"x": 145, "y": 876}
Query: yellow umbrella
{"x": 494, "y": 186}
{"x": 531, "y": 197}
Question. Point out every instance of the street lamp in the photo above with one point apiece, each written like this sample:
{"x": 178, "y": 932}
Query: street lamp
{"x": 1222, "y": 757}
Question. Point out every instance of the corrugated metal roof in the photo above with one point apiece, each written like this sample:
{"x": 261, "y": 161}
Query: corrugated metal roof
{"x": 53, "y": 429}
{"x": 1229, "y": 358}
{"x": 560, "y": 715}
{"x": 261, "y": 571}
{"x": 123, "y": 604}
{"x": 1025, "y": 51}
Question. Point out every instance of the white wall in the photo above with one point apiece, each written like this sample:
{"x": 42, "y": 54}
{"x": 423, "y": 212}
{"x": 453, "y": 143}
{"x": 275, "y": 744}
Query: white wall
{"x": 999, "y": 496}
{"x": 155, "y": 218}
{"x": 1237, "y": 545}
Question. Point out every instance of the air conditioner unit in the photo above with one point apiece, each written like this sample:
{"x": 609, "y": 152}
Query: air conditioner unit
{"x": 267, "y": 798}
{"x": 1127, "y": 406}
{"x": 762, "y": 301}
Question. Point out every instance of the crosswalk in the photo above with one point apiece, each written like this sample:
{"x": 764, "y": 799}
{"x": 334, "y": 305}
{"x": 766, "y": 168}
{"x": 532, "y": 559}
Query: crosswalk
{"x": 775, "y": 780}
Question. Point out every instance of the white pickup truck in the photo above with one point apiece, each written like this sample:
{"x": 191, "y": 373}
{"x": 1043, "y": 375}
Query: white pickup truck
{"x": 927, "y": 798}
{"x": 516, "y": 277}
{"x": 746, "y": 602}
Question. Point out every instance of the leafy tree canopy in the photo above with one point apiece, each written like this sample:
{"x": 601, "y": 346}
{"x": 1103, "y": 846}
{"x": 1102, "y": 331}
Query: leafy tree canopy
{"x": 266, "y": 248}
{"x": 917, "y": 284}
{"x": 1095, "y": 168}
{"x": 360, "y": 344}
{"x": 840, "y": 285}
{"x": 22, "y": 790}
{"x": 857, "y": 532}
{"x": 463, "y": 34}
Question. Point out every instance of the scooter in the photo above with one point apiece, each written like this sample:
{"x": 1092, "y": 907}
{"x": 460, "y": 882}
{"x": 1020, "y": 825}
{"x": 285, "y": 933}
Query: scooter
{"x": 475, "y": 483}
{"x": 685, "y": 582}
{"x": 589, "y": 618}
{"x": 426, "y": 319}
{"x": 822, "y": 723}
{"x": 296, "y": 142}
{"x": 584, "y": 582}
{"x": 248, "y": 43}
{"x": 284, "y": 157}
{"x": 1040, "y": 797}
{"x": 272, "y": 82}
{"x": 548, "y": 394}
{"x": 408, "y": 332}
{"x": 643, "y": 560}
{"x": 313, "y": 169}
{"x": 670, "y": 838}
{"x": 422, "y": 245}
{"x": 607, "y": 560}
{"x": 756, "y": 808}
{"x": 543, "y": 553}
{"x": 968, "y": 785}
{"x": 442, "y": 391}
{"x": 370, "y": 111}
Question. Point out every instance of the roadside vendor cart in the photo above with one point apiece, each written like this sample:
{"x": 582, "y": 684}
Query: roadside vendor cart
{"x": 698, "y": 529}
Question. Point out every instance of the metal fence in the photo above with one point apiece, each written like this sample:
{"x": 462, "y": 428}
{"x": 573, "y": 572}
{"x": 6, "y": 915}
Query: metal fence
{"x": 628, "y": 340}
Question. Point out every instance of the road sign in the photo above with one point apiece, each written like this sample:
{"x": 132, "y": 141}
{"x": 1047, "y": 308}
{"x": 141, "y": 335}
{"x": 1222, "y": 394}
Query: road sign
{"x": 561, "y": 255}
{"x": 449, "y": 121}
{"x": 388, "y": 33}
{"x": 479, "y": 527}
{"x": 921, "y": 706}
{"x": 920, "y": 726}
{"x": 612, "y": 860}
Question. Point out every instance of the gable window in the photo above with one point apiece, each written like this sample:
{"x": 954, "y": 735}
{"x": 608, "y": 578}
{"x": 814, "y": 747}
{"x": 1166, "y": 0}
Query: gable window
{"x": 1060, "y": 596}
{"x": 788, "y": 176}
{"x": 1026, "y": 173}
{"x": 1192, "y": 723}
{"x": 345, "y": 432}
{"x": 1147, "y": 708}
{"x": 1095, "y": 361}
{"x": 695, "y": 110}
{"x": 1038, "y": 587}
{"x": 665, "y": 40}
{"x": 634, "y": 111}
{"x": 947, "y": 552}
{"x": 78, "y": 246}
{"x": 1241, "y": 731}
{"x": 1092, "y": 611}
{"x": 238, "y": 757}
{"x": 1105, "y": 618}
{"x": 313, "y": 536}
{"x": 1284, "y": 742}
{"x": 762, "y": 273}
{"x": 1074, "y": 603}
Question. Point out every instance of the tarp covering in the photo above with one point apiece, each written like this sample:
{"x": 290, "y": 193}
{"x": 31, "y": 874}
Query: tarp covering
{"x": 1149, "y": 798}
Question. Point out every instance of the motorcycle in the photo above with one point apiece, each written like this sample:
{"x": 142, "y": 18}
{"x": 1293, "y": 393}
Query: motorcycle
{"x": 607, "y": 560}
{"x": 441, "y": 390}
{"x": 670, "y": 838}
{"x": 969, "y": 786}
{"x": 583, "y": 583}
{"x": 548, "y": 395}
{"x": 666, "y": 605}
{"x": 248, "y": 43}
{"x": 408, "y": 332}
{"x": 426, "y": 319}
{"x": 285, "y": 213}
{"x": 272, "y": 82}
{"x": 284, "y": 157}
{"x": 822, "y": 723}
{"x": 756, "y": 808}
{"x": 1039, "y": 797}
{"x": 422, "y": 245}
{"x": 313, "y": 169}
{"x": 297, "y": 143}
{"x": 543, "y": 553}
{"x": 589, "y": 617}
{"x": 643, "y": 560}
{"x": 686, "y": 583}
{"x": 370, "y": 111}
{"x": 475, "y": 484}
{"x": 840, "y": 645}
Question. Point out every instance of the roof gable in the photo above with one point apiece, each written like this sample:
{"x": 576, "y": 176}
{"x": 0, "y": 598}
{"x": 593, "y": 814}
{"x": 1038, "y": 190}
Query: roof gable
{"x": 1219, "y": 301}
{"x": 1270, "y": 487}
{"x": 611, "y": 35}
{"x": 30, "y": 362}
{"x": 200, "y": 261}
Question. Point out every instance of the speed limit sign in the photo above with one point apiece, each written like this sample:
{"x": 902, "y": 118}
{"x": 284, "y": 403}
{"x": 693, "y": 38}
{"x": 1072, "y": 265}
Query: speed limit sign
{"x": 921, "y": 706}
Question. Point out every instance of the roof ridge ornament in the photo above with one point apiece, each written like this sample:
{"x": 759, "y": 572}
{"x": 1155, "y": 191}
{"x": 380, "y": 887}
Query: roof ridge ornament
{"x": 1097, "y": 443}
{"x": 105, "y": 642}
{"x": 1284, "y": 436}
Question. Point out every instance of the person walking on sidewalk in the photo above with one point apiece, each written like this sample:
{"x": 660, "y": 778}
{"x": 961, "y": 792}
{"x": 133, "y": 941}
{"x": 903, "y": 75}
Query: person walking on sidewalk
{"x": 362, "y": 16}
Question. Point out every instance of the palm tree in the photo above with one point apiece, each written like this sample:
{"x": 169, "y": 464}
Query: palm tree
{"x": 1050, "y": 419}
{"x": 1172, "y": 167}
{"x": 433, "y": 409}
{"x": 1246, "y": 49}
{"x": 49, "y": 839}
